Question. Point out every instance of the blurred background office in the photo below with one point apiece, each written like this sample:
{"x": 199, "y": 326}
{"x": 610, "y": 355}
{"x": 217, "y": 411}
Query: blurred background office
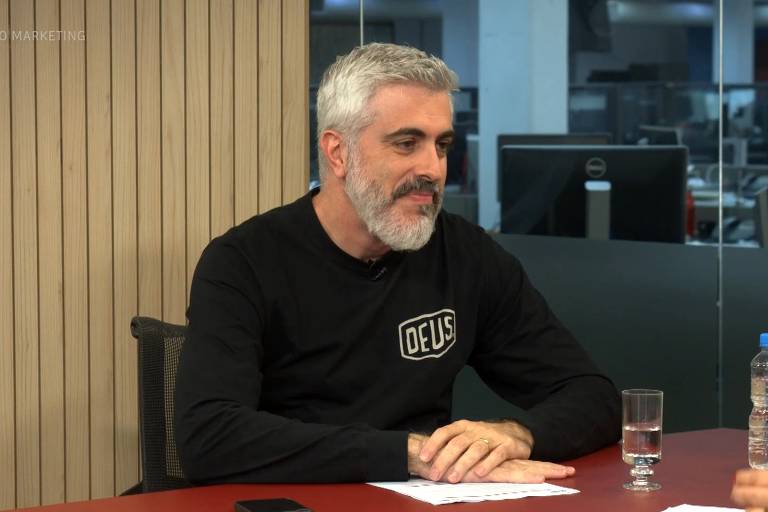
{"x": 589, "y": 145}
{"x": 627, "y": 71}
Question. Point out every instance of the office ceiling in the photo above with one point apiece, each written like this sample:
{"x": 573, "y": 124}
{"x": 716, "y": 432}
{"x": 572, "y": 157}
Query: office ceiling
{"x": 663, "y": 12}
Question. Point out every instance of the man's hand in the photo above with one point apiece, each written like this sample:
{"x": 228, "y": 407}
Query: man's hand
{"x": 750, "y": 489}
{"x": 480, "y": 446}
{"x": 522, "y": 472}
{"x": 482, "y": 452}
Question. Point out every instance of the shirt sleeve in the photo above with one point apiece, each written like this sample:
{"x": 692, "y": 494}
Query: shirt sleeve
{"x": 221, "y": 433}
{"x": 529, "y": 358}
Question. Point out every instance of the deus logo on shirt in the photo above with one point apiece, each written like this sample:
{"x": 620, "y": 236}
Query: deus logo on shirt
{"x": 429, "y": 335}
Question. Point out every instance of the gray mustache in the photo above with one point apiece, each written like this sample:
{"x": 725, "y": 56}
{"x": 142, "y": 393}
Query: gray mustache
{"x": 417, "y": 185}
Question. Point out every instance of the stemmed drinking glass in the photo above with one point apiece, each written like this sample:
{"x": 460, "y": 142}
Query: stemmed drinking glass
{"x": 641, "y": 435}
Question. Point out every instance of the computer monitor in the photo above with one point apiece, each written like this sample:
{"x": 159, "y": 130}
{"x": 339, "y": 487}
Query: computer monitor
{"x": 544, "y": 190}
{"x": 546, "y": 139}
{"x": 552, "y": 139}
{"x": 659, "y": 135}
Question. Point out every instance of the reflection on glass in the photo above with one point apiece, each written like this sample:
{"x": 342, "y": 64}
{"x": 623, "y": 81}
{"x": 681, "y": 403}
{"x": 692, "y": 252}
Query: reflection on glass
{"x": 633, "y": 74}
{"x": 691, "y": 111}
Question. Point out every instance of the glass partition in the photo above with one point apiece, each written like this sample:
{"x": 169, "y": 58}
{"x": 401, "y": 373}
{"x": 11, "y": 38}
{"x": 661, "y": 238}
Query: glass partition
{"x": 744, "y": 200}
{"x": 627, "y": 75}
{"x": 607, "y": 91}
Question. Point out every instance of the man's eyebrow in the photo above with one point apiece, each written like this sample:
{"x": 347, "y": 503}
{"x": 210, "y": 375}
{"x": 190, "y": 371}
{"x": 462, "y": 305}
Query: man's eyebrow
{"x": 415, "y": 132}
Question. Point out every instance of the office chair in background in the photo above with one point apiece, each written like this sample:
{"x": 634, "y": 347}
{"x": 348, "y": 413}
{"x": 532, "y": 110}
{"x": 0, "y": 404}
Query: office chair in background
{"x": 159, "y": 349}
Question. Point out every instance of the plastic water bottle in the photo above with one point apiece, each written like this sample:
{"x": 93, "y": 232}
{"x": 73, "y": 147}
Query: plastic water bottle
{"x": 758, "y": 419}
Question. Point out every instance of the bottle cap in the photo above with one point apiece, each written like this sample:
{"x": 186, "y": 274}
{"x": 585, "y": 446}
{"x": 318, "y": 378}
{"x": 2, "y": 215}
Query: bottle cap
{"x": 764, "y": 339}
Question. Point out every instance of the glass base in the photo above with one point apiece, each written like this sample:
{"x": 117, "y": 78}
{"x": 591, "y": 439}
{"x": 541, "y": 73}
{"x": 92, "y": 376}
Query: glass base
{"x": 642, "y": 474}
{"x": 642, "y": 486}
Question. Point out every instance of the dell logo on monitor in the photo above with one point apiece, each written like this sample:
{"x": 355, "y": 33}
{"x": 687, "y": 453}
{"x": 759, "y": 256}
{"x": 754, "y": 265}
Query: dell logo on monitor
{"x": 596, "y": 167}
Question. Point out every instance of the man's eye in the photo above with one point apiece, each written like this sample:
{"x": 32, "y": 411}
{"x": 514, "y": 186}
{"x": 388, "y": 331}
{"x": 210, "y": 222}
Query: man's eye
{"x": 444, "y": 146}
{"x": 406, "y": 145}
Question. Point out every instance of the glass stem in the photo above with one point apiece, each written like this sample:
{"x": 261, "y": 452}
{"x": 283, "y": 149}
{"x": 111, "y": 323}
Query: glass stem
{"x": 641, "y": 473}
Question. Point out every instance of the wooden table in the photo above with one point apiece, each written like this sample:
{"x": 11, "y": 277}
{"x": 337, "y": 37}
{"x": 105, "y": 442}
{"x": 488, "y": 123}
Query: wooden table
{"x": 696, "y": 468}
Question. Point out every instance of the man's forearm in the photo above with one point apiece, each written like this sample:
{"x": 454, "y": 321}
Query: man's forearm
{"x": 223, "y": 443}
{"x": 582, "y": 417}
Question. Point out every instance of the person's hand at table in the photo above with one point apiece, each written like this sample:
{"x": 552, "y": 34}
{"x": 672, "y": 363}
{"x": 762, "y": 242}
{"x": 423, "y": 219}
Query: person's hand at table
{"x": 750, "y": 489}
{"x": 476, "y": 451}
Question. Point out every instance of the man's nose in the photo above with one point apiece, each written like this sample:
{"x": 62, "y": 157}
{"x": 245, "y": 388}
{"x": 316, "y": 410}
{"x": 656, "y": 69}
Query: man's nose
{"x": 431, "y": 164}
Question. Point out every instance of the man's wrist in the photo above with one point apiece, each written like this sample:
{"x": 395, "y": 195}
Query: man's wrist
{"x": 522, "y": 432}
{"x": 415, "y": 443}
{"x": 517, "y": 430}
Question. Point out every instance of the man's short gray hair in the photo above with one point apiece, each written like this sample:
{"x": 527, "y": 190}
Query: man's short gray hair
{"x": 350, "y": 82}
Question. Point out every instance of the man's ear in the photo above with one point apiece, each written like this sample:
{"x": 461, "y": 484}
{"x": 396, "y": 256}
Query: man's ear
{"x": 335, "y": 151}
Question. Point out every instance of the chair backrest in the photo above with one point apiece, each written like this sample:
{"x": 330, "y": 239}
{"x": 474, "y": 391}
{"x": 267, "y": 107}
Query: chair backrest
{"x": 160, "y": 345}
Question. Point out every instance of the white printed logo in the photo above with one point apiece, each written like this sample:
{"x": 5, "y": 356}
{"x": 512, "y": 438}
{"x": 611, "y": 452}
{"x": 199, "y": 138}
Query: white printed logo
{"x": 429, "y": 335}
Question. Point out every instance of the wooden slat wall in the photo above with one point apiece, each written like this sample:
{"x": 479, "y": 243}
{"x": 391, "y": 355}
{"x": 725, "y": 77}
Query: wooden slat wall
{"x": 25, "y": 258}
{"x": 222, "y": 117}
{"x": 125, "y": 282}
{"x": 295, "y": 125}
{"x": 132, "y": 137}
{"x": 50, "y": 214}
{"x": 7, "y": 345}
{"x": 270, "y": 106}
{"x": 246, "y": 115}
{"x": 77, "y": 428}
{"x": 98, "y": 95}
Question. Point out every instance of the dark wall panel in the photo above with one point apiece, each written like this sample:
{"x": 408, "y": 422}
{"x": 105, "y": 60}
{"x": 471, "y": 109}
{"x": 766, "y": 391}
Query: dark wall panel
{"x": 646, "y": 312}
{"x": 745, "y": 316}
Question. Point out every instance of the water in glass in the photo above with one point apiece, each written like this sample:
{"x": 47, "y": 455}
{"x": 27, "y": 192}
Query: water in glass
{"x": 641, "y": 443}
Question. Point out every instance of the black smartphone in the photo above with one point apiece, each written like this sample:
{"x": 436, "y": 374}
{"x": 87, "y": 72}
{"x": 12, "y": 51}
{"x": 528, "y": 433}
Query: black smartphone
{"x": 273, "y": 505}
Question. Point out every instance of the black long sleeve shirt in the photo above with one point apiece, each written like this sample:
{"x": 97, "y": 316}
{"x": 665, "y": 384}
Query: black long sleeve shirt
{"x": 304, "y": 364}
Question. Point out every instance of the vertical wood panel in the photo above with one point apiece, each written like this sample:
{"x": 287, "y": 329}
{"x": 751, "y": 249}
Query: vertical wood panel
{"x": 100, "y": 267}
{"x": 51, "y": 281}
{"x": 125, "y": 260}
{"x": 7, "y": 404}
{"x": 295, "y": 122}
{"x": 25, "y": 257}
{"x": 74, "y": 182}
{"x": 122, "y": 155}
{"x": 222, "y": 120}
{"x": 149, "y": 159}
{"x": 270, "y": 105}
{"x": 173, "y": 150}
{"x": 246, "y": 110}
{"x": 198, "y": 133}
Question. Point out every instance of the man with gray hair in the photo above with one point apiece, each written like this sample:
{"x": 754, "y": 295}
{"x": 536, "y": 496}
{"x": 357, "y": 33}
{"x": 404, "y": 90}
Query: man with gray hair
{"x": 325, "y": 335}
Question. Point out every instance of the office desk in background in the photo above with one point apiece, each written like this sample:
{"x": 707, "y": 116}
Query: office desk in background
{"x": 697, "y": 468}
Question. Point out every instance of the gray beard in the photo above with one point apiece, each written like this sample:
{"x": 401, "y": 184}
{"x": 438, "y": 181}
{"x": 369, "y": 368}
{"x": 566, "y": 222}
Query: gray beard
{"x": 378, "y": 213}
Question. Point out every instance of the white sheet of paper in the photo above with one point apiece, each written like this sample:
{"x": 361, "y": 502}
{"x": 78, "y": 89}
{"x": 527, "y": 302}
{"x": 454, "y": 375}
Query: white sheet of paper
{"x": 440, "y": 493}
{"x": 699, "y": 508}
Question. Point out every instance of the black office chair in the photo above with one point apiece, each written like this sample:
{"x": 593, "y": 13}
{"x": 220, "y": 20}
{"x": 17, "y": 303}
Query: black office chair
{"x": 159, "y": 349}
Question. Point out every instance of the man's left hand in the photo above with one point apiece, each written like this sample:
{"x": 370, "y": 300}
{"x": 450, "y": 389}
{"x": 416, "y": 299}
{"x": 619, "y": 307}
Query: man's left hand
{"x": 478, "y": 446}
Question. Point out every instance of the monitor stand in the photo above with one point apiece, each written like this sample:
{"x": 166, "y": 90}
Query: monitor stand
{"x": 598, "y": 214}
